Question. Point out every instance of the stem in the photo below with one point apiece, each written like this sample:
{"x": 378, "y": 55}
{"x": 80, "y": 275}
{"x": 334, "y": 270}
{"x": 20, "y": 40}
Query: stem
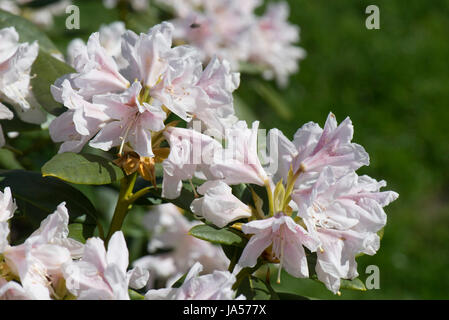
{"x": 139, "y": 194}
{"x": 123, "y": 204}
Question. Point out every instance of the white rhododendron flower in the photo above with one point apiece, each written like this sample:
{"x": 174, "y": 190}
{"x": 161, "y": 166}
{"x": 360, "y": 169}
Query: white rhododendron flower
{"x": 38, "y": 261}
{"x": 231, "y": 30}
{"x": 169, "y": 230}
{"x": 16, "y": 60}
{"x": 345, "y": 214}
{"x": 110, "y": 40}
{"x": 219, "y": 205}
{"x": 314, "y": 148}
{"x": 272, "y": 39}
{"x": 286, "y": 239}
{"x": 101, "y": 274}
{"x": 215, "y": 286}
{"x": 130, "y": 103}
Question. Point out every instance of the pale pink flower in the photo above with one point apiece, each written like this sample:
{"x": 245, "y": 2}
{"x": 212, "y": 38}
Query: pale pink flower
{"x": 221, "y": 29}
{"x": 287, "y": 239}
{"x": 152, "y": 75}
{"x": 190, "y": 152}
{"x": 101, "y": 274}
{"x": 215, "y": 286}
{"x": 110, "y": 40}
{"x": 241, "y": 163}
{"x": 11, "y": 290}
{"x": 314, "y": 148}
{"x": 219, "y": 205}
{"x": 79, "y": 124}
{"x": 38, "y": 261}
{"x": 130, "y": 122}
{"x": 16, "y": 60}
{"x": 344, "y": 213}
{"x": 272, "y": 44}
{"x": 169, "y": 229}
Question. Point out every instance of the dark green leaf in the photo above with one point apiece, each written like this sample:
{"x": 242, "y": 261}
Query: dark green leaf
{"x": 47, "y": 69}
{"x": 82, "y": 169}
{"x": 225, "y": 236}
{"x": 37, "y": 197}
{"x": 8, "y": 160}
{"x": 76, "y": 232}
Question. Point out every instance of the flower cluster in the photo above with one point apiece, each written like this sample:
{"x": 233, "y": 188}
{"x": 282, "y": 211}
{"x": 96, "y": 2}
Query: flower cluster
{"x": 305, "y": 202}
{"x": 232, "y": 30}
{"x": 316, "y": 200}
{"x": 112, "y": 106}
{"x": 50, "y": 265}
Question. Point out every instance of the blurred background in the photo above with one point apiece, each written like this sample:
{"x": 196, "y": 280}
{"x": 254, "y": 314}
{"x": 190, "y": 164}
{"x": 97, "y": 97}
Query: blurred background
{"x": 394, "y": 85}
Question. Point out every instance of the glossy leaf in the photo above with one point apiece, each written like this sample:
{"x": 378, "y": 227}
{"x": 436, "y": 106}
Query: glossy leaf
{"x": 48, "y": 69}
{"x": 224, "y": 236}
{"x": 37, "y": 197}
{"x": 82, "y": 169}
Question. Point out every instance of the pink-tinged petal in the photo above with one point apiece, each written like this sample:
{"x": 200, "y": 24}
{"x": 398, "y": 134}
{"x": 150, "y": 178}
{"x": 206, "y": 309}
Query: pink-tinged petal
{"x": 137, "y": 277}
{"x": 95, "y": 254}
{"x": 118, "y": 252}
{"x": 109, "y": 136}
{"x": 101, "y": 74}
{"x": 294, "y": 259}
{"x": 140, "y": 140}
{"x": 256, "y": 245}
{"x": 11, "y": 290}
{"x": 257, "y": 226}
{"x": 171, "y": 185}
{"x": 219, "y": 205}
{"x": 241, "y": 163}
{"x": 152, "y": 118}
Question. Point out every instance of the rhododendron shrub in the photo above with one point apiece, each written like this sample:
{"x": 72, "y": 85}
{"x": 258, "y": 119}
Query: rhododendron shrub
{"x": 155, "y": 121}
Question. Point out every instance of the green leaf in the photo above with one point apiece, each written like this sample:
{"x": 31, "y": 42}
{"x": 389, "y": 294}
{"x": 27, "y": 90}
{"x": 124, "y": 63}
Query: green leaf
{"x": 134, "y": 295}
{"x": 255, "y": 289}
{"x": 37, "y": 197}
{"x": 8, "y": 160}
{"x": 290, "y": 296}
{"x": 225, "y": 236}
{"x": 354, "y": 284}
{"x": 180, "y": 281}
{"x": 47, "y": 69}
{"x": 273, "y": 98}
{"x": 76, "y": 232}
{"x": 82, "y": 169}
{"x": 28, "y": 32}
